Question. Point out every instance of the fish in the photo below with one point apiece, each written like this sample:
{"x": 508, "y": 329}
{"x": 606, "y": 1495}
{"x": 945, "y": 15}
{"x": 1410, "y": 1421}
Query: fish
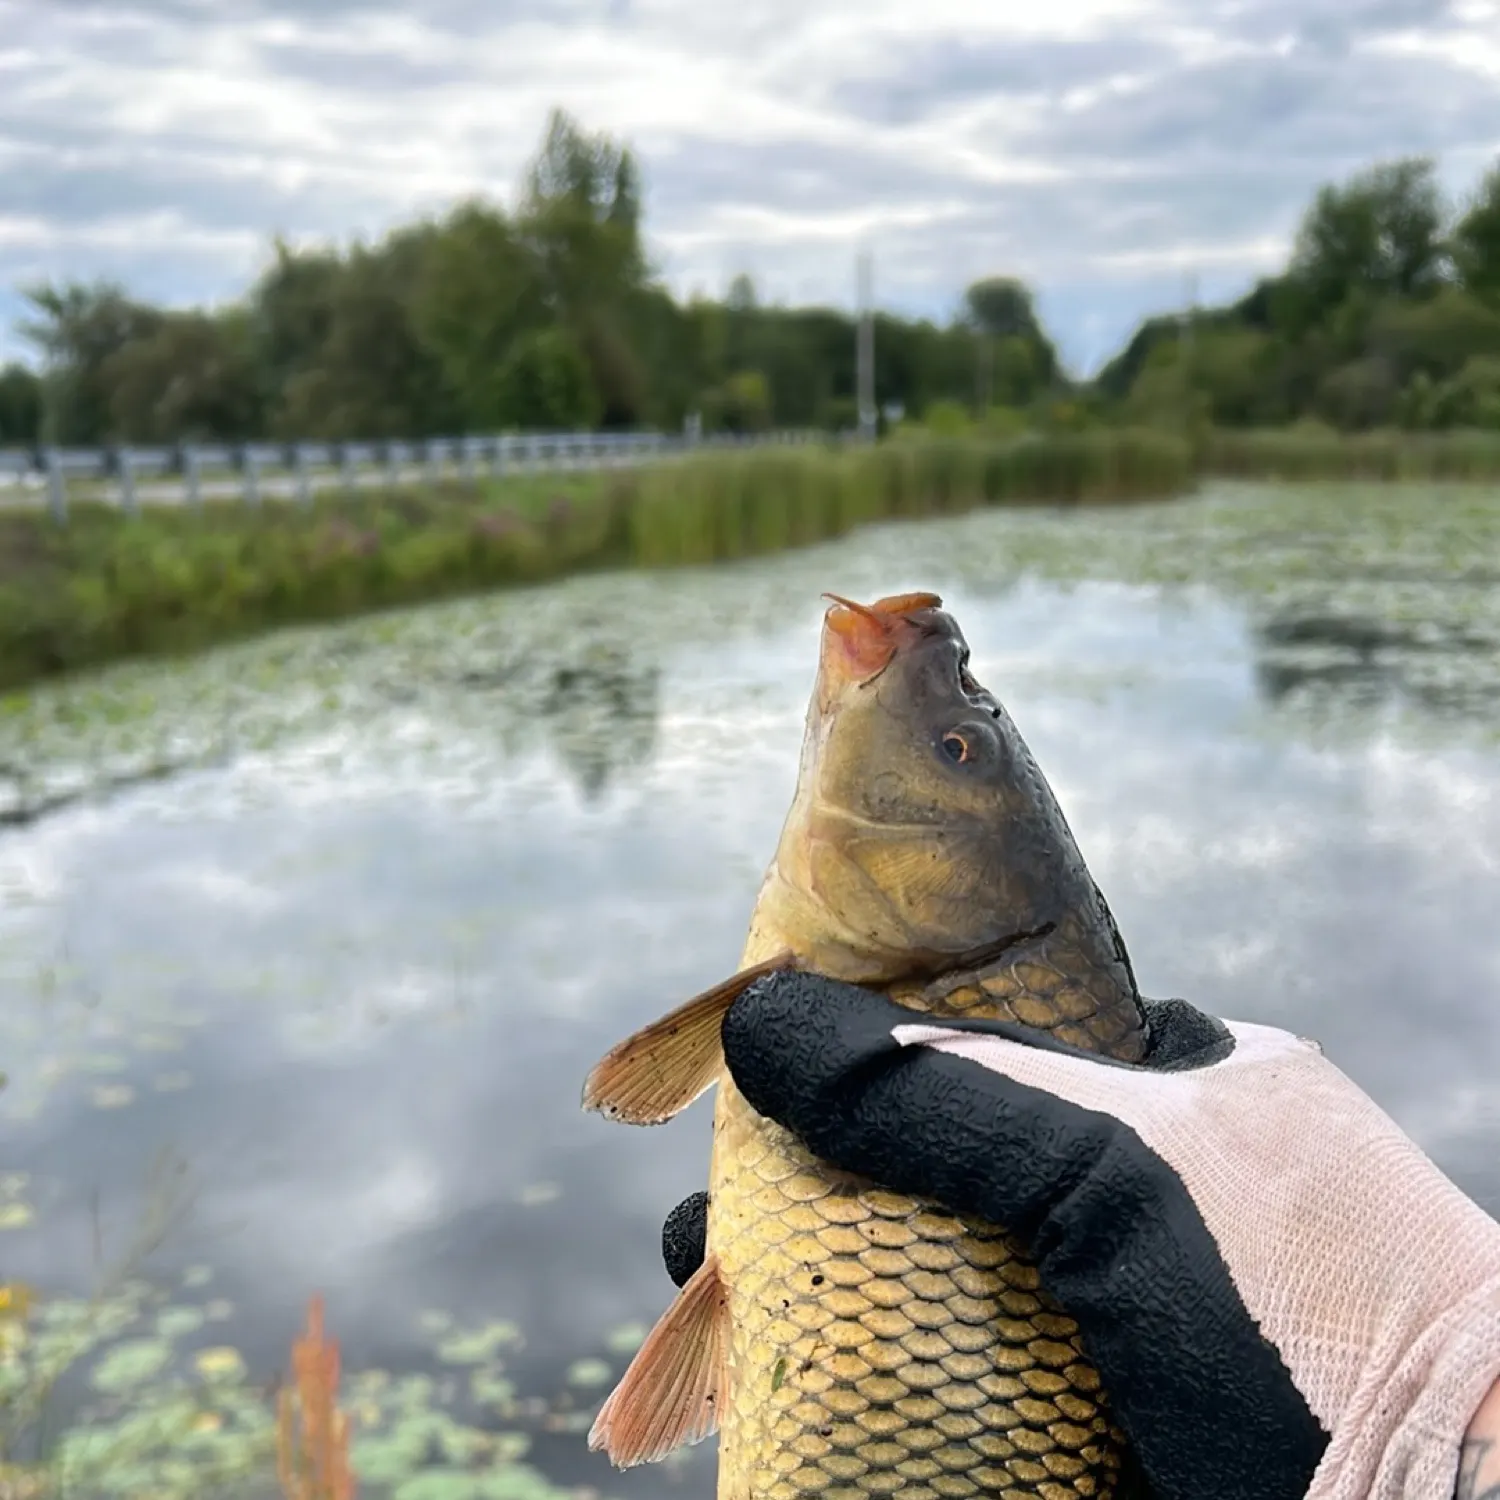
{"x": 843, "y": 1340}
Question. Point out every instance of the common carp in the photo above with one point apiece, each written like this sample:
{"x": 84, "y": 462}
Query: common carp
{"x": 846, "y": 1341}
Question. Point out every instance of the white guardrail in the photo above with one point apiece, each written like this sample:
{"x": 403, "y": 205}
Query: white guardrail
{"x": 190, "y": 473}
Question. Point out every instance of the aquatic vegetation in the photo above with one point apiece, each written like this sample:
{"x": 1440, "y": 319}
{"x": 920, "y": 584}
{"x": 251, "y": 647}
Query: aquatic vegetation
{"x": 549, "y": 671}
{"x": 110, "y": 586}
{"x": 159, "y": 1409}
{"x": 150, "y": 1421}
{"x": 312, "y": 1433}
{"x": 248, "y": 890}
{"x": 169, "y": 580}
{"x": 179, "y": 1423}
{"x": 726, "y": 506}
{"x": 1310, "y": 451}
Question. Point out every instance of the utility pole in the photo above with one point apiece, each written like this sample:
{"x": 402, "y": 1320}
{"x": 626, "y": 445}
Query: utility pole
{"x": 1190, "y": 299}
{"x": 1189, "y": 318}
{"x": 864, "y": 347}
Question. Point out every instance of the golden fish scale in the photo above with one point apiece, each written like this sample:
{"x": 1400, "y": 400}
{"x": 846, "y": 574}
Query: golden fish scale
{"x": 883, "y": 1346}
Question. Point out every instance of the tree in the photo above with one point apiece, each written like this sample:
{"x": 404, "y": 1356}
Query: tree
{"x": 292, "y": 309}
{"x": 1234, "y": 371}
{"x": 1380, "y": 233}
{"x": 546, "y": 383}
{"x": 78, "y": 328}
{"x": 741, "y": 297}
{"x": 580, "y": 213}
{"x": 1163, "y": 394}
{"x": 1000, "y": 307}
{"x": 741, "y": 404}
{"x": 1363, "y": 393}
{"x": 372, "y": 376}
{"x": 478, "y": 293}
{"x": 1436, "y": 336}
{"x": 616, "y": 373}
{"x": 664, "y": 338}
{"x": 1471, "y": 398}
{"x": 481, "y": 318}
{"x": 1375, "y": 312}
{"x": 1476, "y": 241}
{"x": 1000, "y": 310}
{"x": 20, "y": 406}
{"x": 580, "y": 219}
{"x": 194, "y": 377}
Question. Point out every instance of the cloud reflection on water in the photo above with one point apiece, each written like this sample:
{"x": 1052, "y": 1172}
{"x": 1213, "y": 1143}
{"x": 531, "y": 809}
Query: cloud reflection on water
{"x": 391, "y": 944}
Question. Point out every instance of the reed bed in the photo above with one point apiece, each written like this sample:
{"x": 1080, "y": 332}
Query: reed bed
{"x": 1311, "y": 453}
{"x": 108, "y": 586}
{"x": 716, "y": 509}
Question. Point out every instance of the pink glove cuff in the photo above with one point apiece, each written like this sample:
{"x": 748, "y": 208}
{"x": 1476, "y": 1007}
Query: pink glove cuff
{"x": 1400, "y": 1439}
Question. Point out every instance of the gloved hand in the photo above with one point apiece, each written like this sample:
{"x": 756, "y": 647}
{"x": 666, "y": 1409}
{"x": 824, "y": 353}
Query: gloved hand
{"x": 1284, "y": 1296}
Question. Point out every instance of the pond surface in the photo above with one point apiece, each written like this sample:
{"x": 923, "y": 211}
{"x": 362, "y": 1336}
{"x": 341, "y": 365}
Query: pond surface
{"x": 306, "y": 946}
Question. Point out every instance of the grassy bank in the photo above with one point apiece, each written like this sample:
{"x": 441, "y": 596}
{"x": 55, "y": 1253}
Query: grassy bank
{"x": 108, "y": 586}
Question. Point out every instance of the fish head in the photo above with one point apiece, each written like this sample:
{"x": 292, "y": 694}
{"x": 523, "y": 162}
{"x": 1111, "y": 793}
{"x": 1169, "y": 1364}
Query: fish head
{"x": 923, "y": 831}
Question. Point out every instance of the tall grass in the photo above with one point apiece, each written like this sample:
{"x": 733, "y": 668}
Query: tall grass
{"x": 719, "y": 508}
{"x": 107, "y": 586}
{"x": 1309, "y": 452}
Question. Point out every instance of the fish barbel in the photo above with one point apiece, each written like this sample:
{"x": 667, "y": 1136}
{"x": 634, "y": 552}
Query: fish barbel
{"x": 846, "y": 1341}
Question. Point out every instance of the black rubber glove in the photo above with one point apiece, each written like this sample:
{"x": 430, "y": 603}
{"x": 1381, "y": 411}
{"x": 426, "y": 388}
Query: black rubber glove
{"x": 1207, "y": 1399}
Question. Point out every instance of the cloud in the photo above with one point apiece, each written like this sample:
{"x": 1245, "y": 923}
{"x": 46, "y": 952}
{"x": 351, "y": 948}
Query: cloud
{"x": 1101, "y": 148}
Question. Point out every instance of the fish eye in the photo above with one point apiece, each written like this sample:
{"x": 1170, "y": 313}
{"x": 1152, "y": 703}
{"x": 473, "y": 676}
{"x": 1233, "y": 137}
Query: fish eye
{"x": 955, "y": 747}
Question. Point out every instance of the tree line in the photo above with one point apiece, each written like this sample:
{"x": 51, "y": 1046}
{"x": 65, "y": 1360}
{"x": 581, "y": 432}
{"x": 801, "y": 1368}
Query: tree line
{"x": 483, "y": 321}
{"x": 1387, "y": 315}
{"x": 552, "y": 316}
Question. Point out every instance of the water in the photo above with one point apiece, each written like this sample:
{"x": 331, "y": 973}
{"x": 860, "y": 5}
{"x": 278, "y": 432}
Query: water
{"x": 306, "y": 946}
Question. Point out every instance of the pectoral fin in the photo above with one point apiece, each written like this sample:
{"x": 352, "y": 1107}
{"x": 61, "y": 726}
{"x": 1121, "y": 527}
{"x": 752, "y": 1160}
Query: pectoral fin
{"x": 676, "y": 1384}
{"x": 658, "y": 1072}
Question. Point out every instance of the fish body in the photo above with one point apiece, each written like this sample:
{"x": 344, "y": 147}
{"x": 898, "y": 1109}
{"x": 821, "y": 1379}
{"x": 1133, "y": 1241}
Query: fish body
{"x": 852, "y": 1341}
{"x": 881, "y": 1345}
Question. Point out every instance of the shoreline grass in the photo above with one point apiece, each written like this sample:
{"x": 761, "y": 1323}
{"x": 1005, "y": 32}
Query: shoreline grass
{"x": 108, "y": 586}
{"x": 1309, "y": 452}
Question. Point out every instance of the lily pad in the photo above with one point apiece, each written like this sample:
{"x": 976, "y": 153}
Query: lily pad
{"x": 487, "y": 1387}
{"x": 131, "y": 1364}
{"x": 16, "y": 1215}
{"x": 219, "y": 1363}
{"x": 626, "y": 1339}
{"x": 478, "y": 1346}
{"x": 104, "y": 1062}
{"x": 588, "y": 1372}
{"x": 112, "y": 1096}
{"x": 176, "y": 1322}
{"x": 440, "y": 1484}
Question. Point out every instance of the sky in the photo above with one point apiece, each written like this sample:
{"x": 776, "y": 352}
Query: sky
{"x": 1111, "y": 152}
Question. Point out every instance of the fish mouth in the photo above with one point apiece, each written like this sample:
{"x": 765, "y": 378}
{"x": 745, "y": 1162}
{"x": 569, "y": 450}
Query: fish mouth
{"x": 859, "y": 640}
